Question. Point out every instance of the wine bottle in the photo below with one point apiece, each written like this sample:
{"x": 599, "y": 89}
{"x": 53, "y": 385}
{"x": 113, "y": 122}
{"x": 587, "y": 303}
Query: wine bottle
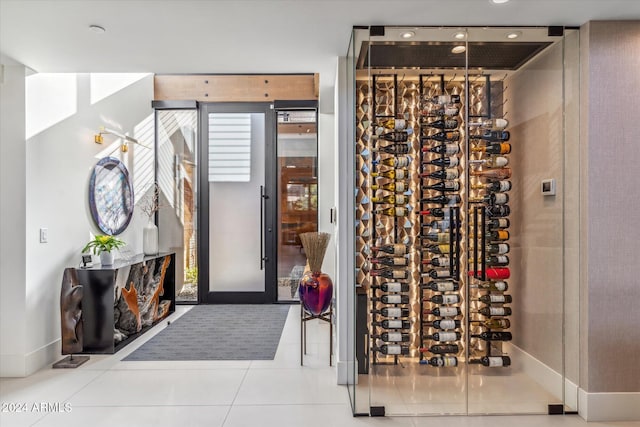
{"x": 395, "y": 149}
{"x": 442, "y": 124}
{"x": 444, "y": 186}
{"x": 444, "y": 299}
{"x": 442, "y": 174}
{"x": 392, "y": 299}
{"x": 495, "y": 311}
{"x": 437, "y": 274}
{"x": 498, "y": 248}
{"x": 499, "y": 235}
{"x": 448, "y": 136}
{"x": 499, "y": 286}
{"x": 491, "y": 124}
{"x": 498, "y": 223}
{"x": 444, "y": 336}
{"x": 492, "y": 199}
{"x": 392, "y": 137}
{"x": 444, "y": 110}
{"x": 491, "y": 162}
{"x": 395, "y": 211}
{"x": 395, "y": 186}
{"x": 442, "y": 225}
{"x": 437, "y": 237}
{"x": 445, "y": 324}
{"x": 394, "y": 249}
{"x": 392, "y": 287}
{"x": 493, "y": 174}
{"x": 493, "y": 261}
{"x": 447, "y": 149}
{"x": 437, "y": 212}
{"x": 492, "y": 361}
{"x": 494, "y": 336}
{"x": 395, "y": 261}
{"x": 502, "y": 148}
{"x": 494, "y": 323}
{"x": 442, "y": 261}
{"x": 444, "y": 311}
{"x": 441, "y": 361}
{"x": 392, "y": 312}
{"x": 392, "y": 337}
{"x": 494, "y": 187}
{"x": 498, "y": 211}
{"x": 443, "y": 161}
{"x": 437, "y": 249}
{"x": 392, "y": 174}
{"x": 493, "y": 273}
{"x": 441, "y": 349}
{"x": 395, "y": 162}
{"x": 443, "y": 200}
{"x": 389, "y": 273}
{"x": 393, "y": 124}
{"x": 443, "y": 99}
{"x": 493, "y": 136}
{"x": 393, "y": 324}
{"x": 495, "y": 299}
{"x": 393, "y": 349}
{"x": 392, "y": 199}
{"x": 442, "y": 286}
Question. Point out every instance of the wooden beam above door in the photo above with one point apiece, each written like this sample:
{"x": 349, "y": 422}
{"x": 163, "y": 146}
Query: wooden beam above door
{"x": 236, "y": 88}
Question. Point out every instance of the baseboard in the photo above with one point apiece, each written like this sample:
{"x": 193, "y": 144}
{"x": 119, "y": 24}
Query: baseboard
{"x": 12, "y": 365}
{"x": 609, "y": 406}
{"x": 19, "y": 365}
{"x": 544, "y": 375}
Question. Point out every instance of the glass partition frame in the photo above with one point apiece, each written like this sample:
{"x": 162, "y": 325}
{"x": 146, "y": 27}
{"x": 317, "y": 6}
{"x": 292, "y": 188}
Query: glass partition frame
{"x": 540, "y": 372}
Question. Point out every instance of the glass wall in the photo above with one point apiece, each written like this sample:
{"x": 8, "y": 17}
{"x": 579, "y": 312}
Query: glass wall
{"x": 463, "y": 188}
{"x": 176, "y": 177}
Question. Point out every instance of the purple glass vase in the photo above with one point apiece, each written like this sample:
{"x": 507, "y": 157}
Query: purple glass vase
{"x": 316, "y": 291}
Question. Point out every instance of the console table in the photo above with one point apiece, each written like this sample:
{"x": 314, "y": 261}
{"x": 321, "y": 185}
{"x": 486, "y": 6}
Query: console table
{"x": 103, "y": 308}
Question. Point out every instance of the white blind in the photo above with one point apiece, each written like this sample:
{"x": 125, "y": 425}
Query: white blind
{"x": 229, "y": 147}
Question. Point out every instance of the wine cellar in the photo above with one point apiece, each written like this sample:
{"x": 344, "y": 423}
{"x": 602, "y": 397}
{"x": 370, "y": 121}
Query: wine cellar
{"x": 443, "y": 179}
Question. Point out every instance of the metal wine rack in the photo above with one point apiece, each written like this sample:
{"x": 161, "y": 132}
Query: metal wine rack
{"x": 389, "y": 97}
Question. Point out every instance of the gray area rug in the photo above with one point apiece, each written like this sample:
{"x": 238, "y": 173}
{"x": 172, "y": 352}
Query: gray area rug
{"x": 218, "y": 332}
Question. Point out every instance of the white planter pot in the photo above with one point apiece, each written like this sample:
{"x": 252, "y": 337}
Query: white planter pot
{"x": 106, "y": 258}
{"x": 150, "y": 239}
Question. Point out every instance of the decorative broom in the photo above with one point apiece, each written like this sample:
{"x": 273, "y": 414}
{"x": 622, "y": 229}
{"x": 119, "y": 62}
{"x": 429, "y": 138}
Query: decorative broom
{"x": 316, "y": 288}
{"x": 315, "y": 246}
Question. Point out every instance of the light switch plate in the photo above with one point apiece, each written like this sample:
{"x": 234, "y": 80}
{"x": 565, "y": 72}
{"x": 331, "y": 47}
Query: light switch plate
{"x": 548, "y": 187}
{"x": 44, "y": 235}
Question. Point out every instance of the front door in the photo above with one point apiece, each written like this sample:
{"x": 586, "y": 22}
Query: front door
{"x": 237, "y": 203}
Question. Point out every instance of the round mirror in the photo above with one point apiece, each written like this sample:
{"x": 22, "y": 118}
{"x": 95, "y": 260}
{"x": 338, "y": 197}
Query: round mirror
{"x": 111, "y": 196}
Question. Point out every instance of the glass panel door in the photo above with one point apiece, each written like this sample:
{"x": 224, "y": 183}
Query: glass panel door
{"x": 239, "y": 210}
{"x": 297, "y": 141}
{"x": 177, "y": 184}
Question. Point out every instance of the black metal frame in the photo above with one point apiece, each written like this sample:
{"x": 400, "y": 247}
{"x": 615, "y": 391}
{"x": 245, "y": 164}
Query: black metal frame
{"x": 270, "y": 254}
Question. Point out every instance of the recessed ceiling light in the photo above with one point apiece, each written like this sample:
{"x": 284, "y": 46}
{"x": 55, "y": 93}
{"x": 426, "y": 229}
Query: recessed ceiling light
{"x": 407, "y": 34}
{"x": 460, "y": 35}
{"x": 514, "y": 34}
{"x": 458, "y": 49}
{"x": 97, "y": 29}
{"x": 499, "y": 1}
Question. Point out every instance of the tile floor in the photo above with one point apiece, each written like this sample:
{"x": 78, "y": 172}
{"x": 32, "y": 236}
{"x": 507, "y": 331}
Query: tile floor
{"x": 109, "y": 392}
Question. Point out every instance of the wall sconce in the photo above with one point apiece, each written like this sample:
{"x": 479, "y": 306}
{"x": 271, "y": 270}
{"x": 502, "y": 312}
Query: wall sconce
{"x": 126, "y": 139}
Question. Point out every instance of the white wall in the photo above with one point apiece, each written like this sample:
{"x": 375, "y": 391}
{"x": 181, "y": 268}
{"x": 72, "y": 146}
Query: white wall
{"x": 12, "y": 218}
{"x": 59, "y": 161}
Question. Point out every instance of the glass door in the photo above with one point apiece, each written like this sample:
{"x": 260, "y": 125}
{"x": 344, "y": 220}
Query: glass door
{"x": 463, "y": 190}
{"x": 237, "y": 220}
{"x": 297, "y": 140}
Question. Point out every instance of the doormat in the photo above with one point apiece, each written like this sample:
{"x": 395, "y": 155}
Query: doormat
{"x": 218, "y": 332}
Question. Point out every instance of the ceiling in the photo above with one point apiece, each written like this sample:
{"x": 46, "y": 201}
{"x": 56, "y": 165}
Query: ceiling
{"x": 246, "y": 36}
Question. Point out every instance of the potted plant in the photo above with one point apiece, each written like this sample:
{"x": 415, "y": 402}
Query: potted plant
{"x": 103, "y": 245}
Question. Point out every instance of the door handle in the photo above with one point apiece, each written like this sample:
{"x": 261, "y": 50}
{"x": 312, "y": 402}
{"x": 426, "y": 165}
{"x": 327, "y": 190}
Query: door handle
{"x": 263, "y": 198}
